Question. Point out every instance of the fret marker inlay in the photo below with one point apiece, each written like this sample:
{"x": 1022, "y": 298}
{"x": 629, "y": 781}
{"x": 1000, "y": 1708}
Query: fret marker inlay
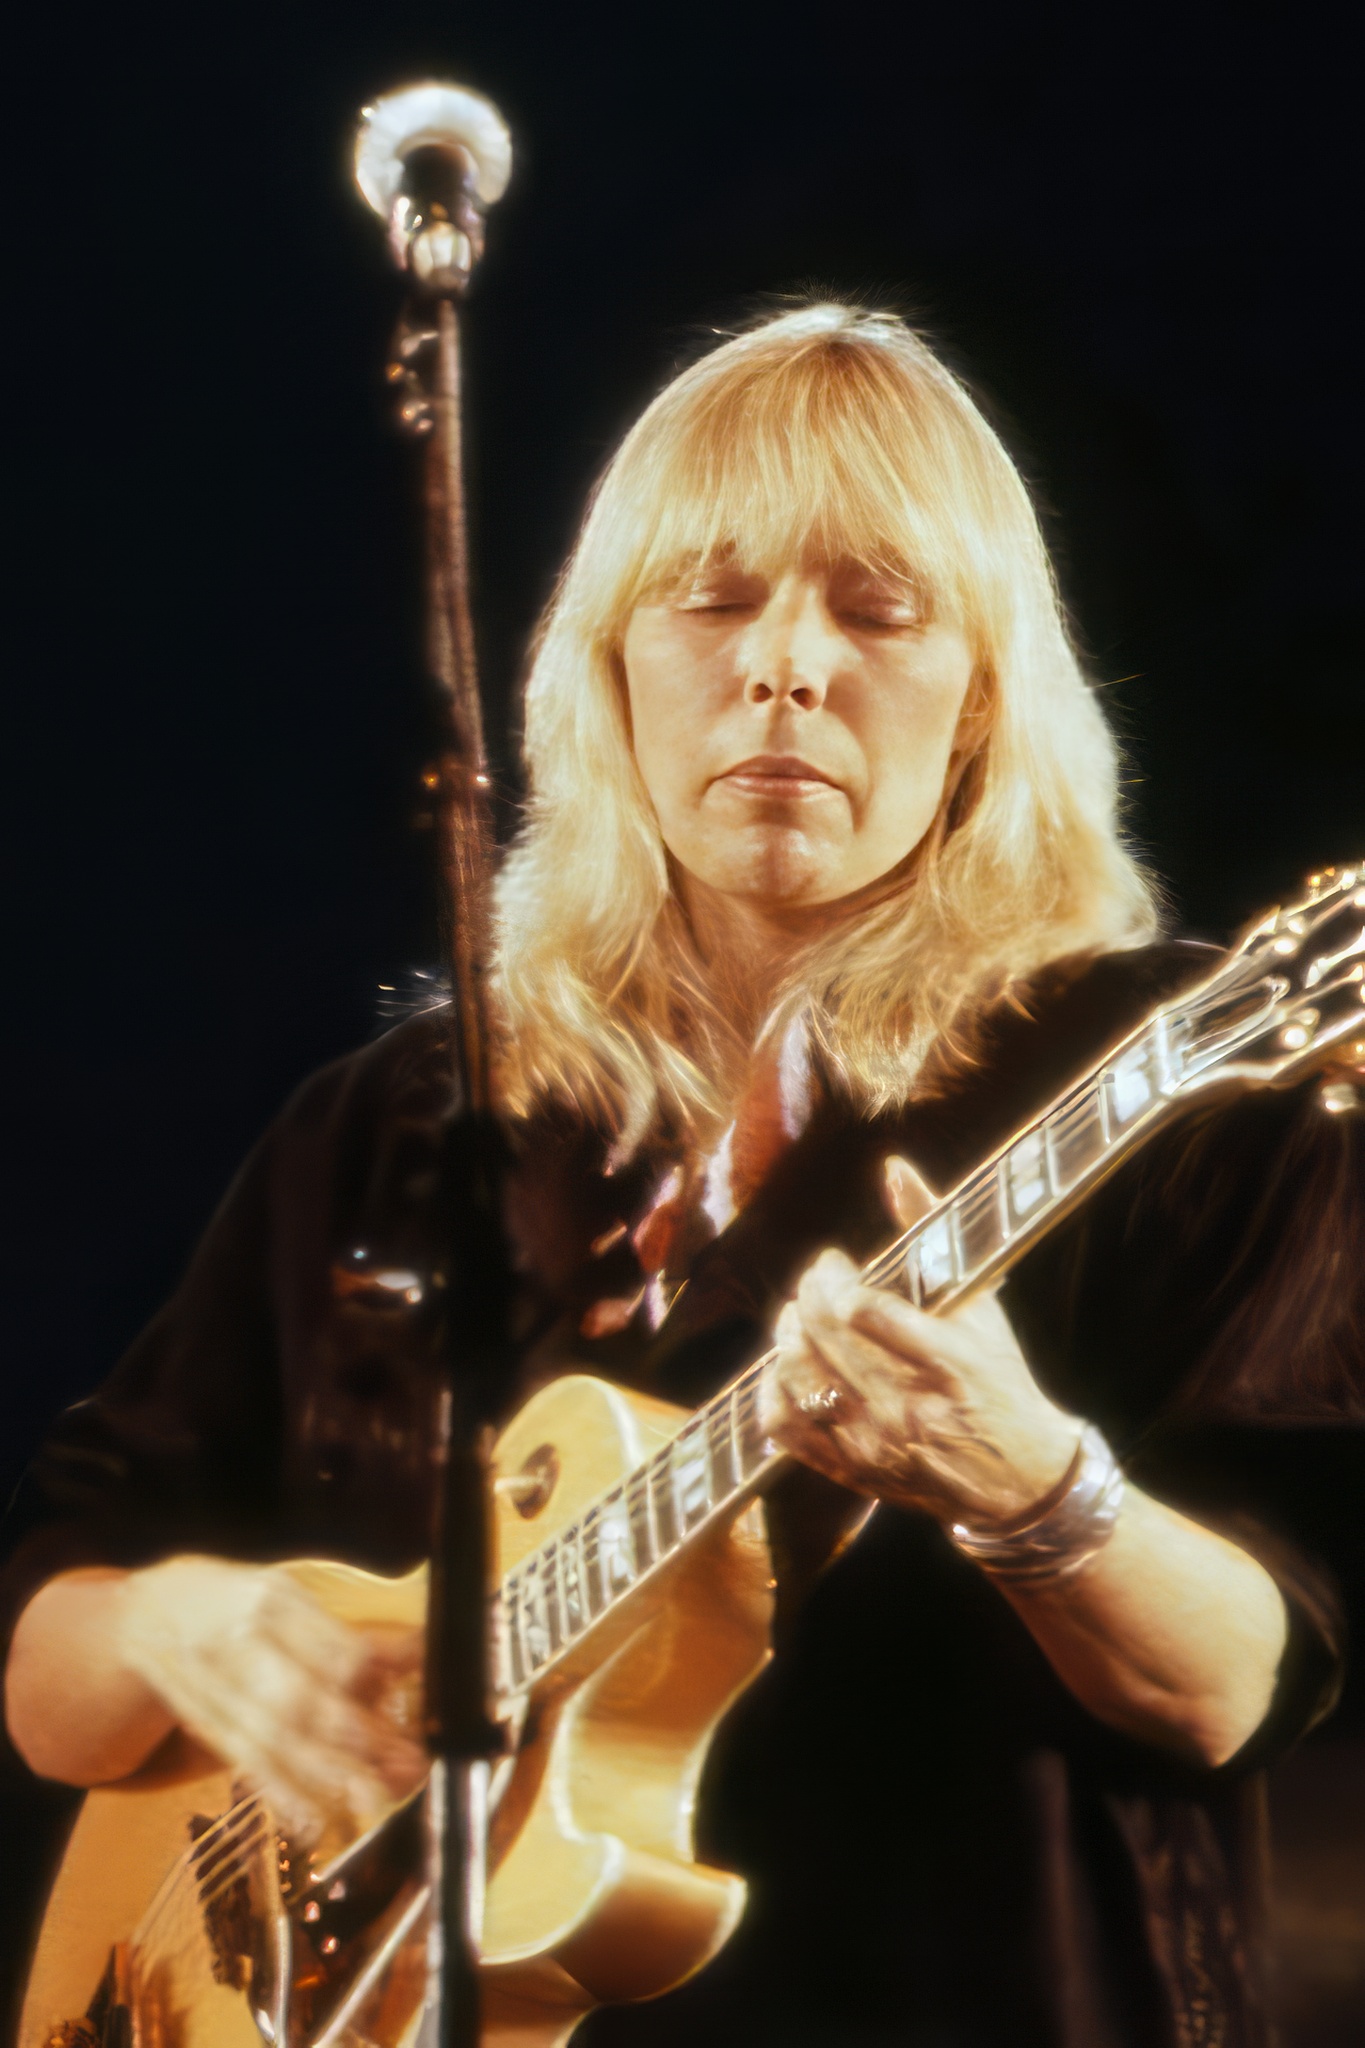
{"x": 1027, "y": 1174}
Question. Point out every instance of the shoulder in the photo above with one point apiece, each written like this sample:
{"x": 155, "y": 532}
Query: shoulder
{"x": 405, "y": 1070}
{"x": 1034, "y": 1040}
{"x": 1079, "y": 1006}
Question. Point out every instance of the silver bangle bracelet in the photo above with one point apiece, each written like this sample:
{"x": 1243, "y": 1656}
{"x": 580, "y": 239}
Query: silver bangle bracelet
{"x": 1066, "y": 1535}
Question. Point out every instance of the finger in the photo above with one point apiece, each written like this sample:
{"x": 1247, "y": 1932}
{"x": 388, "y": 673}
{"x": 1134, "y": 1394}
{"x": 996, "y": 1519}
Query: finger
{"x": 972, "y": 1339}
{"x": 265, "y": 1714}
{"x": 310, "y": 1636}
{"x": 787, "y": 1333}
{"x": 207, "y": 1714}
{"x": 380, "y": 1673}
{"x": 328, "y": 1769}
{"x": 793, "y": 1371}
{"x": 788, "y": 1378}
{"x": 811, "y": 1437}
{"x": 390, "y": 1682}
{"x": 800, "y": 1396}
{"x": 849, "y": 1324}
{"x": 827, "y": 1279}
{"x": 909, "y": 1196}
{"x": 976, "y": 1335}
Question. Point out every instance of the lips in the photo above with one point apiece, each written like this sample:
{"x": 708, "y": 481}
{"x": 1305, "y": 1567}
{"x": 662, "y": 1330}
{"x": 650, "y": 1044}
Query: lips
{"x": 778, "y": 775}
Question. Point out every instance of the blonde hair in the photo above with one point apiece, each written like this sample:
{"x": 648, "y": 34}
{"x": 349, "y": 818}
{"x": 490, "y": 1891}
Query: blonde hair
{"x": 837, "y": 430}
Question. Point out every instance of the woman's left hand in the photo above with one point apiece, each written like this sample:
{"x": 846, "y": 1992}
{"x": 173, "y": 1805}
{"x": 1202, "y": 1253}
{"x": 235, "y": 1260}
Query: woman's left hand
{"x": 934, "y": 1412}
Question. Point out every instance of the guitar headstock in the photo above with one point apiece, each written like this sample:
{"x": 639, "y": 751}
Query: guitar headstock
{"x": 1290, "y": 997}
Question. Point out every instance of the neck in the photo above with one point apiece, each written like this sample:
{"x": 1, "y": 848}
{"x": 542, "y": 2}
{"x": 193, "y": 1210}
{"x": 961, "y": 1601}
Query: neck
{"x": 748, "y": 949}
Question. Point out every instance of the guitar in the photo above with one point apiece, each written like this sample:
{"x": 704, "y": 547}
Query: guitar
{"x": 632, "y": 1605}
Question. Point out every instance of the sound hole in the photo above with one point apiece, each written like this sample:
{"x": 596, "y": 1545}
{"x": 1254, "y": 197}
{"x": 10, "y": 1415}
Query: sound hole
{"x": 537, "y": 1480}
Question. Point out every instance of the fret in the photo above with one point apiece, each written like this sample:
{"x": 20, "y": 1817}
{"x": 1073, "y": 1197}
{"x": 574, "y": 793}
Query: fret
{"x": 615, "y": 1549}
{"x": 911, "y": 1279}
{"x": 981, "y": 1230}
{"x": 1168, "y": 1053}
{"x": 734, "y": 1448}
{"x": 935, "y": 1249}
{"x": 641, "y": 1521}
{"x": 571, "y": 1588}
{"x": 661, "y": 1498}
{"x": 1027, "y": 1174}
{"x": 535, "y": 1621}
{"x": 731, "y": 1438}
{"x": 592, "y": 1564}
{"x": 549, "y": 1574}
{"x": 1130, "y": 1086}
{"x": 1077, "y": 1140}
{"x": 691, "y": 1477}
{"x": 751, "y": 1438}
{"x": 516, "y": 1648}
{"x": 723, "y": 1474}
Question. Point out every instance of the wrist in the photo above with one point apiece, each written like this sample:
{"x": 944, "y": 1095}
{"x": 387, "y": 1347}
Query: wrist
{"x": 1039, "y": 1469}
{"x": 1064, "y": 1531}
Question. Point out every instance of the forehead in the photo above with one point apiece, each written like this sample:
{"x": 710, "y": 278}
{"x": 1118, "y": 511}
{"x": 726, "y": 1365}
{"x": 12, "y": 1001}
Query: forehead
{"x": 813, "y": 559}
{"x": 765, "y": 503}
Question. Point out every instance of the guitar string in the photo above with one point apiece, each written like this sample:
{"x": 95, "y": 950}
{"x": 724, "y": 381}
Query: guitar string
{"x": 182, "y": 1918}
{"x": 182, "y": 1881}
{"x": 231, "y": 1819}
{"x": 187, "y": 1931}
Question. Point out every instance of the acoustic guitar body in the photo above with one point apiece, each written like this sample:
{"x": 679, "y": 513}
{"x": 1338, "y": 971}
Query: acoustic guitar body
{"x": 594, "y": 1892}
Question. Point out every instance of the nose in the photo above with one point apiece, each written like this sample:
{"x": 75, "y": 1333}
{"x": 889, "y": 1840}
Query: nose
{"x": 792, "y": 649}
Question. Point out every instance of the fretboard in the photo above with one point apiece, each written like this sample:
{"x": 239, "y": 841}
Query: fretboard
{"x": 720, "y": 1458}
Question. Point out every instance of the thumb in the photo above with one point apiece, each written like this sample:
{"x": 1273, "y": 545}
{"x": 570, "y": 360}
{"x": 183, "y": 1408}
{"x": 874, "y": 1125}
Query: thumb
{"x": 908, "y": 1195}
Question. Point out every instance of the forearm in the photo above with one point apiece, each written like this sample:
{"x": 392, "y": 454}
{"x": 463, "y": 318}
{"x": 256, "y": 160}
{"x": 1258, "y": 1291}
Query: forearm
{"x": 74, "y": 1709}
{"x": 1169, "y": 1633}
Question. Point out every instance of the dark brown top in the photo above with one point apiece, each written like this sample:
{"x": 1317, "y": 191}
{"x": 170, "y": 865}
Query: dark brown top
{"x": 943, "y": 1847}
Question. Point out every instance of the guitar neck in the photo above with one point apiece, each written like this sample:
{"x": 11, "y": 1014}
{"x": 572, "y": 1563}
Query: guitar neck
{"x": 1016, "y": 1195}
{"x": 721, "y": 1457}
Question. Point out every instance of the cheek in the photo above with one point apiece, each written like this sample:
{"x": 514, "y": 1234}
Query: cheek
{"x": 662, "y": 704}
{"x": 659, "y": 738}
{"x": 909, "y": 744}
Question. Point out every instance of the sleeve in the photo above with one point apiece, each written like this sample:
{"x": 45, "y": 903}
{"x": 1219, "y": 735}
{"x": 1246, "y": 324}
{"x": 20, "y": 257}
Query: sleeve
{"x": 1207, "y": 1309}
{"x": 197, "y": 1439}
{"x": 180, "y": 1447}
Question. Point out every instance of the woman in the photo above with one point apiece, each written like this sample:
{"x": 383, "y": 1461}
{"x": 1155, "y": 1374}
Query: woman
{"x": 820, "y": 875}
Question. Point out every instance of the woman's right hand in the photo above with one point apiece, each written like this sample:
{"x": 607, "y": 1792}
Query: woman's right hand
{"x": 302, "y": 1706}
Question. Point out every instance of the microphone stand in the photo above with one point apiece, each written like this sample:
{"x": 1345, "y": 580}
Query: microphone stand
{"x": 430, "y": 159}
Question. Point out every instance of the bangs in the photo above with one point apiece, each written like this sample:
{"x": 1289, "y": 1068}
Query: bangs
{"x": 840, "y": 451}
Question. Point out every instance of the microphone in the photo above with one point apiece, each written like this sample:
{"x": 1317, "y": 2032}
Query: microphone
{"x": 430, "y": 159}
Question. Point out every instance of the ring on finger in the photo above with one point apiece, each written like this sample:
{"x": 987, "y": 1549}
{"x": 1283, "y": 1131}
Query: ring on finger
{"x": 821, "y": 1404}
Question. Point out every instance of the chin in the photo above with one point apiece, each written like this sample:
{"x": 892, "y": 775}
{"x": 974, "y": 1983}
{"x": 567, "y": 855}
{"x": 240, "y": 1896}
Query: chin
{"x": 782, "y": 872}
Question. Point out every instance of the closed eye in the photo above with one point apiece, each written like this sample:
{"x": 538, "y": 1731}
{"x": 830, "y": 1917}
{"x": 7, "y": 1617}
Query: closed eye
{"x": 894, "y": 619}
{"x": 873, "y": 603}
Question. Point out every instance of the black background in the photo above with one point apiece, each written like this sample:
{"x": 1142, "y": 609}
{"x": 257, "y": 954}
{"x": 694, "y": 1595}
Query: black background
{"x": 1136, "y": 230}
